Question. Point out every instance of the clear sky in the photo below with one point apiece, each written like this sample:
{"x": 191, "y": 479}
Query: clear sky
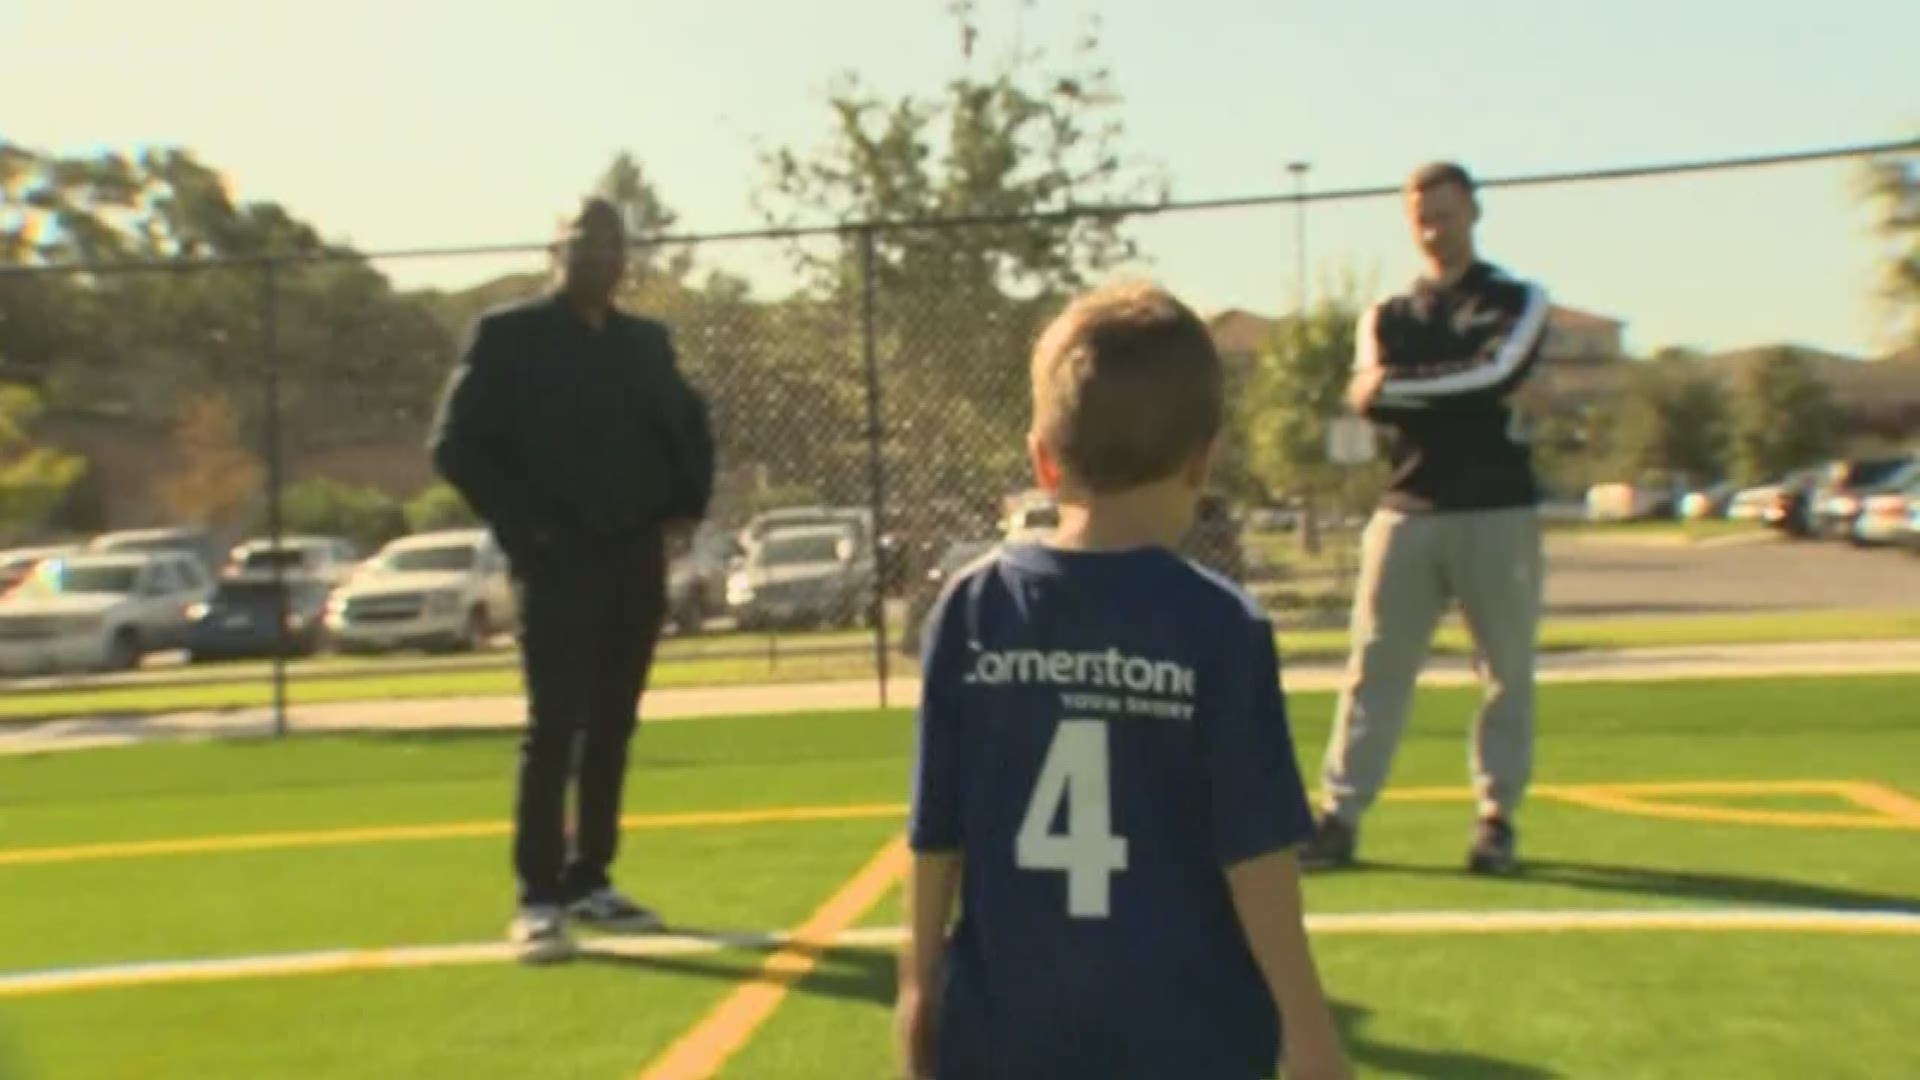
{"x": 401, "y": 123}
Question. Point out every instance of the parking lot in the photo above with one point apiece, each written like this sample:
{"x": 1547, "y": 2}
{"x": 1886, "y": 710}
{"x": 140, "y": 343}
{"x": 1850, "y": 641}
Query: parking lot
{"x": 1596, "y": 576}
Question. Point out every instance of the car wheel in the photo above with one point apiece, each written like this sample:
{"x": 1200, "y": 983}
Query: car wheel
{"x": 123, "y": 652}
{"x": 479, "y": 631}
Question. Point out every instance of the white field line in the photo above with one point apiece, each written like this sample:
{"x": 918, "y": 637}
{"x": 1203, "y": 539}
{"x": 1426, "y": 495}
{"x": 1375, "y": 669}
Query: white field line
{"x": 174, "y": 972}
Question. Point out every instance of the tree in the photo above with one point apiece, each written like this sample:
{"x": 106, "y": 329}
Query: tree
{"x": 439, "y": 506}
{"x": 1671, "y": 420}
{"x": 366, "y": 515}
{"x": 1297, "y": 387}
{"x": 217, "y": 477}
{"x": 1892, "y": 186}
{"x": 646, "y": 215}
{"x": 359, "y": 361}
{"x": 1020, "y": 142}
{"x": 34, "y": 480}
{"x": 1784, "y": 417}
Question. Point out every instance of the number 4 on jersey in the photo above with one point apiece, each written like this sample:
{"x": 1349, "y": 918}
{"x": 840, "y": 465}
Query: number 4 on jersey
{"x": 1089, "y": 853}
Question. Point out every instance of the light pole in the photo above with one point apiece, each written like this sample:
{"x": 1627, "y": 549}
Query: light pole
{"x": 1299, "y": 171}
{"x": 1309, "y": 528}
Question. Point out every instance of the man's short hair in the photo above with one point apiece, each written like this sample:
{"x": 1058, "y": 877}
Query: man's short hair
{"x": 1127, "y": 387}
{"x": 1438, "y": 174}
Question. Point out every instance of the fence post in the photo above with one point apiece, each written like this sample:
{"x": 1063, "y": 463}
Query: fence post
{"x": 876, "y": 466}
{"x": 270, "y": 355}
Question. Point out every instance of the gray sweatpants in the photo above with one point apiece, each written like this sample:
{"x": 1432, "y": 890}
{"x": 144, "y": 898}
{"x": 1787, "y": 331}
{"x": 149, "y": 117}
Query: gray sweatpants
{"x": 1412, "y": 567}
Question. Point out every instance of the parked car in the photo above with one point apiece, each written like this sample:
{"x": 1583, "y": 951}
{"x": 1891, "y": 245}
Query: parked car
{"x": 1910, "y": 536}
{"x": 1633, "y": 501}
{"x": 200, "y": 543}
{"x": 446, "y": 591}
{"x": 17, "y": 563}
{"x": 1708, "y": 502}
{"x": 326, "y": 558}
{"x": 1028, "y": 516}
{"x": 100, "y": 612}
{"x": 1884, "y": 518}
{"x": 697, "y": 580}
{"x": 1214, "y": 540}
{"x": 768, "y": 522}
{"x": 959, "y": 555}
{"x": 1754, "y": 503}
{"x": 237, "y": 621}
{"x": 803, "y": 577}
{"x": 1280, "y": 518}
{"x": 1849, "y": 484}
{"x": 1791, "y": 511}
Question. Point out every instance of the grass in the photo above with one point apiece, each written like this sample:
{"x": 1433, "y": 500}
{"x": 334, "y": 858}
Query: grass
{"x": 1320, "y": 644}
{"x": 1517, "y": 1007}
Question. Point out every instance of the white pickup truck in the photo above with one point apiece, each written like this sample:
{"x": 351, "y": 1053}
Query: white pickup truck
{"x": 99, "y": 612}
{"x": 446, "y": 591}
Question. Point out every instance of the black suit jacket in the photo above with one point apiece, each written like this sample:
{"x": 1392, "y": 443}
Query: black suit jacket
{"x": 555, "y": 433}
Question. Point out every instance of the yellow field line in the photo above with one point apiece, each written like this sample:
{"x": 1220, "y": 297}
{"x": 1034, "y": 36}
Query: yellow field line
{"x": 1890, "y": 809}
{"x": 1654, "y": 800}
{"x": 1885, "y": 800}
{"x": 383, "y": 834}
{"x": 702, "y": 1051}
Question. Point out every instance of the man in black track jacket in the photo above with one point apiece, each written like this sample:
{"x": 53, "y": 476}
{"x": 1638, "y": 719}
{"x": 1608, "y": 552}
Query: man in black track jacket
{"x": 1436, "y": 369}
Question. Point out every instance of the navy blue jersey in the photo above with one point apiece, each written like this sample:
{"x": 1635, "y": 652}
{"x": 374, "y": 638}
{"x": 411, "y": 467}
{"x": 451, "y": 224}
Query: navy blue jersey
{"x": 1100, "y": 735}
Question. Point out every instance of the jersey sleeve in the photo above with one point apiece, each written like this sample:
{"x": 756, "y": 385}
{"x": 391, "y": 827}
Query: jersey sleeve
{"x": 934, "y": 809}
{"x": 1256, "y": 799}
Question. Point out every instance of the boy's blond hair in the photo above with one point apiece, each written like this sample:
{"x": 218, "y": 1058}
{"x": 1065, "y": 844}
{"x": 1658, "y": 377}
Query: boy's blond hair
{"x": 1127, "y": 387}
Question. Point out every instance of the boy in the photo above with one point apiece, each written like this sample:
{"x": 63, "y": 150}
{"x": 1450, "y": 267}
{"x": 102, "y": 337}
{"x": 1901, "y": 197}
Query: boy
{"x": 1103, "y": 763}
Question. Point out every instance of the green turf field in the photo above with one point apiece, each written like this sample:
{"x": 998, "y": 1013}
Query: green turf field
{"x": 1671, "y": 802}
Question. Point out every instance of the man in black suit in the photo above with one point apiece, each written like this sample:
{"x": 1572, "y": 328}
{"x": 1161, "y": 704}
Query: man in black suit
{"x": 569, "y": 429}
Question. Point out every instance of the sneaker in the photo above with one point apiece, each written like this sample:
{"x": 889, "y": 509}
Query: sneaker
{"x": 1333, "y": 845}
{"x": 606, "y": 909}
{"x": 540, "y": 932}
{"x": 1493, "y": 850}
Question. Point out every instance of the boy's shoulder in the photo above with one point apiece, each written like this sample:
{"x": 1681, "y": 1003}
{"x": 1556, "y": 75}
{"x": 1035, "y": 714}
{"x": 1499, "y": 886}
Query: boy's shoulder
{"x": 1225, "y": 592}
{"x": 1181, "y": 581}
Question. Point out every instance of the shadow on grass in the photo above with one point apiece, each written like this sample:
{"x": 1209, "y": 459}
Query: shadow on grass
{"x": 1663, "y": 883}
{"x": 1420, "y": 1062}
{"x": 867, "y": 976}
{"x": 862, "y": 975}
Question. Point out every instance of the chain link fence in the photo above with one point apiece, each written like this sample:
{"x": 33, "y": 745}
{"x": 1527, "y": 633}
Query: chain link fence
{"x": 868, "y": 388}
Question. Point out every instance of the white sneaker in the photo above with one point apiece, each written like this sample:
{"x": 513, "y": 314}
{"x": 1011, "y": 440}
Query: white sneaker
{"x": 607, "y": 909}
{"x": 540, "y": 930}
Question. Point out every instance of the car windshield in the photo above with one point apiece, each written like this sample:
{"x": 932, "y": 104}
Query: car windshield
{"x": 61, "y": 578}
{"x": 147, "y": 543}
{"x": 792, "y": 550}
{"x": 415, "y": 560}
{"x": 251, "y": 591}
{"x": 14, "y": 564}
{"x": 268, "y": 558}
{"x": 1872, "y": 471}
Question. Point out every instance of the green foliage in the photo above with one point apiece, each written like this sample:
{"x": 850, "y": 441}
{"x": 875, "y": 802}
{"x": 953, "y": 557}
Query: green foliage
{"x": 34, "y": 480}
{"x": 358, "y": 359}
{"x": 321, "y": 506}
{"x": 1891, "y": 186}
{"x": 1297, "y": 386}
{"x": 437, "y": 507}
{"x": 958, "y": 308}
{"x": 1784, "y": 418}
{"x": 1671, "y": 419}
